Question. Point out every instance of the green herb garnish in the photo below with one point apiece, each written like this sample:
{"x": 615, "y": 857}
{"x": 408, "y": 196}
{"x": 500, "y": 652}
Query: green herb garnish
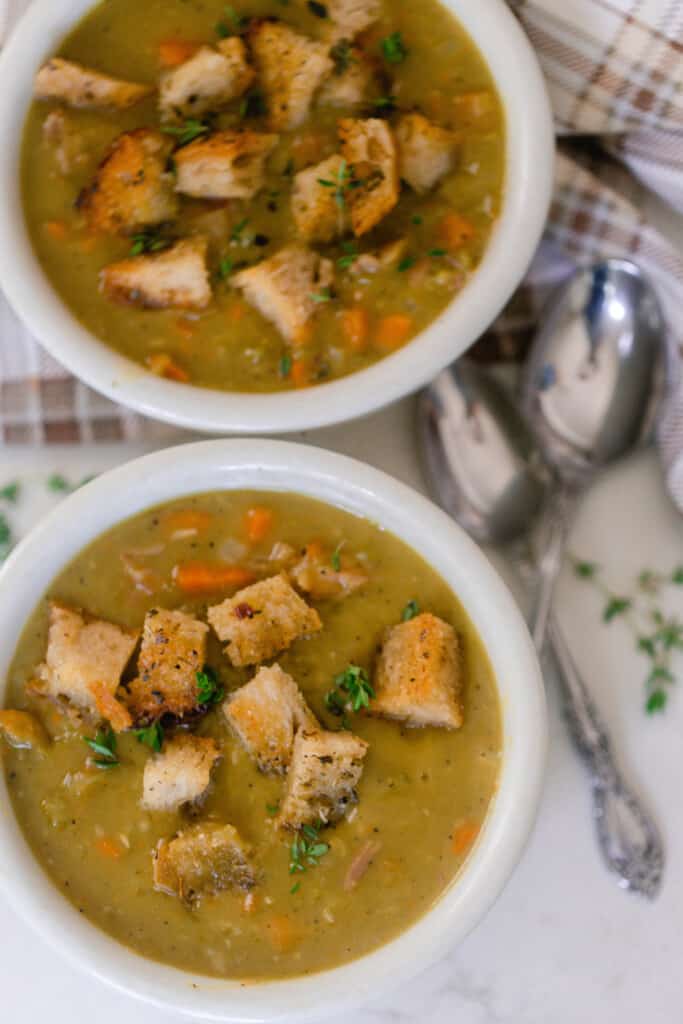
{"x": 236, "y": 234}
{"x": 253, "y": 105}
{"x": 342, "y": 56}
{"x": 285, "y": 365}
{"x": 187, "y": 132}
{"x": 351, "y": 687}
{"x": 295, "y": 888}
{"x": 386, "y": 103}
{"x": 350, "y": 257}
{"x": 406, "y": 264}
{"x": 393, "y": 48}
{"x": 104, "y": 744}
{"x": 272, "y": 809}
{"x": 152, "y": 736}
{"x": 438, "y": 253}
{"x": 225, "y": 268}
{"x": 209, "y": 690}
{"x": 417, "y": 219}
{"x": 307, "y": 849}
{"x": 336, "y": 556}
{"x": 10, "y": 492}
{"x": 323, "y": 296}
{"x": 148, "y": 241}
{"x": 410, "y": 611}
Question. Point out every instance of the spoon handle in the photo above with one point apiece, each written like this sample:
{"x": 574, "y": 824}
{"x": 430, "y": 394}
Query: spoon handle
{"x": 557, "y": 519}
{"x": 629, "y": 840}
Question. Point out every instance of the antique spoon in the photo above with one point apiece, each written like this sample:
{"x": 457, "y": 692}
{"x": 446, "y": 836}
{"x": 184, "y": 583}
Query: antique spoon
{"x": 484, "y": 468}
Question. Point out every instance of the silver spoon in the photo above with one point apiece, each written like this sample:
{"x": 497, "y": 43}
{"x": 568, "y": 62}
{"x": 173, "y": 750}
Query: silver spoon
{"x": 484, "y": 468}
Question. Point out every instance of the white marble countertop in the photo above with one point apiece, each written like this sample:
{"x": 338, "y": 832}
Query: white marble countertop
{"x": 563, "y": 943}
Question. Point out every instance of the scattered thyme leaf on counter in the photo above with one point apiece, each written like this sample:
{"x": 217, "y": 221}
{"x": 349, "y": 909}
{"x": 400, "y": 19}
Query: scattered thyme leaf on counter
{"x": 394, "y": 49}
{"x": 306, "y": 849}
{"x": 209, "y": 690}
{"x": 677, "y": 576}
{"x": 352, "y": 686}
{"x": 410, "y": 611}
{"x": 58, "y": 483}
{"x": 6, "y": 539}
{"x": 615, "y": 606}
{"x": 10, "y": 492}
{"x": 152, "y": 736}
{"x": 104, "y": 744}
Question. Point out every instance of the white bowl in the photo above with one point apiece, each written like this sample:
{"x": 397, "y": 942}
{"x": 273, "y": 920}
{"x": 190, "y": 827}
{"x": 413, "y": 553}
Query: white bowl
{"x": 530, "y": 149}
{"x": 278, "y": 466}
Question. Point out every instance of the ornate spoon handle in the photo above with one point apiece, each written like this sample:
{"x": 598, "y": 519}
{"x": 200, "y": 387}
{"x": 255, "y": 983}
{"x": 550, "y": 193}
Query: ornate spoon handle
{"x": 629, "y": 840}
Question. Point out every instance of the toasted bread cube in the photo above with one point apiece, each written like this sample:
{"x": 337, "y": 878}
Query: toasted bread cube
{"x": 418, "y": 677}
{"x": 206, "y": 82}
{"x": 315, "y": 575}
{"x": 351, "y": 17}
{"x": 262, "y": 620}
{"x": 70, "y": 83}
{"x": 227, "y": 165}
{"x": 318, "y": 215}
{"x": 350, "y": 81}
{"x": 22, "y": 730}
{"x": 82, "y": 656}
{"x": 282, "y": 288}
{"x": 201, "y": 861}
{"x": 63, "y": 136}
{"x": 323, "y": 774}
{"x": 368, "y": 146}
{"x": 173, "y": 651}
{"x": 180, "y": 774}
{"x": 266, "y": 714}
{"x": 132, "y": 188}
{"x": 291, "y": 69}
{"x": 176, "y": 278}
{"x": 425, "y": 151}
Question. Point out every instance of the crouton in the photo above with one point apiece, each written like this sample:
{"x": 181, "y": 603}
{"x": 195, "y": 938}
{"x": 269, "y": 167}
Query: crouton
{"x": 66, "y": 141}
{"x": 180, "y": 774}
{"x": 418, "y": 677}
{"x": 318, "y": 214}
{"x": 425, "y": 151}
{"x": 291, "y": 69}
{"x": 262, "y": 620}
{"x": 173, "y": 651}
{"x": 379, "y": 259}
{"x": 82, "y": 653}
{"x": 107, "y": 705}
{"x": 349, "y": 83}
{"x": 201, "y": 861}
{"x": 70, "y": 83}
{"x": 368, "y": 146}
{"x": 282, "y": 288}
{"x": 228, "y": 165}
{"x": 132, "y": 188}
{"x": 316, "y": 575}
{"x": 351, "y": 17}
{"x": 206, "y": 82}
{"x": 323, "y": 775}
{"x": 21, "y": 729}
{"x": 266, "y": 714}
{"x": 177, "y": 277}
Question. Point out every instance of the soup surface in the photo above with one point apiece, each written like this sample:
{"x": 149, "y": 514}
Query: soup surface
{"x": 322, "y": 895}
{"x": 359, "y": 292}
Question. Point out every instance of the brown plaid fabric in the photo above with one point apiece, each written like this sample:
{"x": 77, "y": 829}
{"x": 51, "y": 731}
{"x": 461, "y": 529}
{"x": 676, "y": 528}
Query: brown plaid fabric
{"x": 615, "y": 73}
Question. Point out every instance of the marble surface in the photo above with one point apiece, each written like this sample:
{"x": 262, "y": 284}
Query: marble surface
{"x": 563, "y": 943}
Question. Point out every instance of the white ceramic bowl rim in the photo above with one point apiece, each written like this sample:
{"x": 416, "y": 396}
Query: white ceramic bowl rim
{"x": 279, "y": 466}
{"x": 527, "y": 195}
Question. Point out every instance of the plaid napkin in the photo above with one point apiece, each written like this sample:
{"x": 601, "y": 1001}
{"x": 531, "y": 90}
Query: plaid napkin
{"x": 615, "y": 73}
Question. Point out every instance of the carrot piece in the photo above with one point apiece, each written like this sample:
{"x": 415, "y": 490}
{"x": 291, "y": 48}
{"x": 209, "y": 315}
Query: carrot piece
{"x": 110, "y": 708}
{"x": 282, "y": 933}
{"x": 162, "y": 365}
{"x": 456, "y": 230}
{"x": 186, "y": 519}
{"x": 56, "y": 229}
{"x": 205, "y": 577}
{"x": 108, "y": 848}
{"x": 463, "y": 837}
{"x": 300, "y": 374}
{"x": 258, "y": 522}
{"x": 393, "y": 331}
{"x": 356, "y": 327}
{"x": 173, "y": 52}
{"x": 315, "y": 551}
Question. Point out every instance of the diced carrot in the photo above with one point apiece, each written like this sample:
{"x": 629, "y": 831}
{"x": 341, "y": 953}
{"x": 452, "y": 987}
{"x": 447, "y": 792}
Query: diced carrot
{"x": 356, "y": 327}
{"x": 393, "y": 331}
{"x": 161, "y": 364}
{"x": 315, "y": 550}
{"x": 108, "y": 848}
{"x": 173, "y": 52}
{"x": 258, "y": 522}
{"x": 300, "y": 374}
{"x": 463, "y": 837}
{"x": 110, "y": 708}
{"x": 282, "y": 933}
{"x": 186, "y": 519}
{"x": 205, "y": 577}
{"x": 456, "y": 230}
{"x": 56, "y": 229}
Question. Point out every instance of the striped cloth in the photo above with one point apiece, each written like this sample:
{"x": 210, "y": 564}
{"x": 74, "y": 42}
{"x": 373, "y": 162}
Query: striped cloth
{"x": 615, "y": 73}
